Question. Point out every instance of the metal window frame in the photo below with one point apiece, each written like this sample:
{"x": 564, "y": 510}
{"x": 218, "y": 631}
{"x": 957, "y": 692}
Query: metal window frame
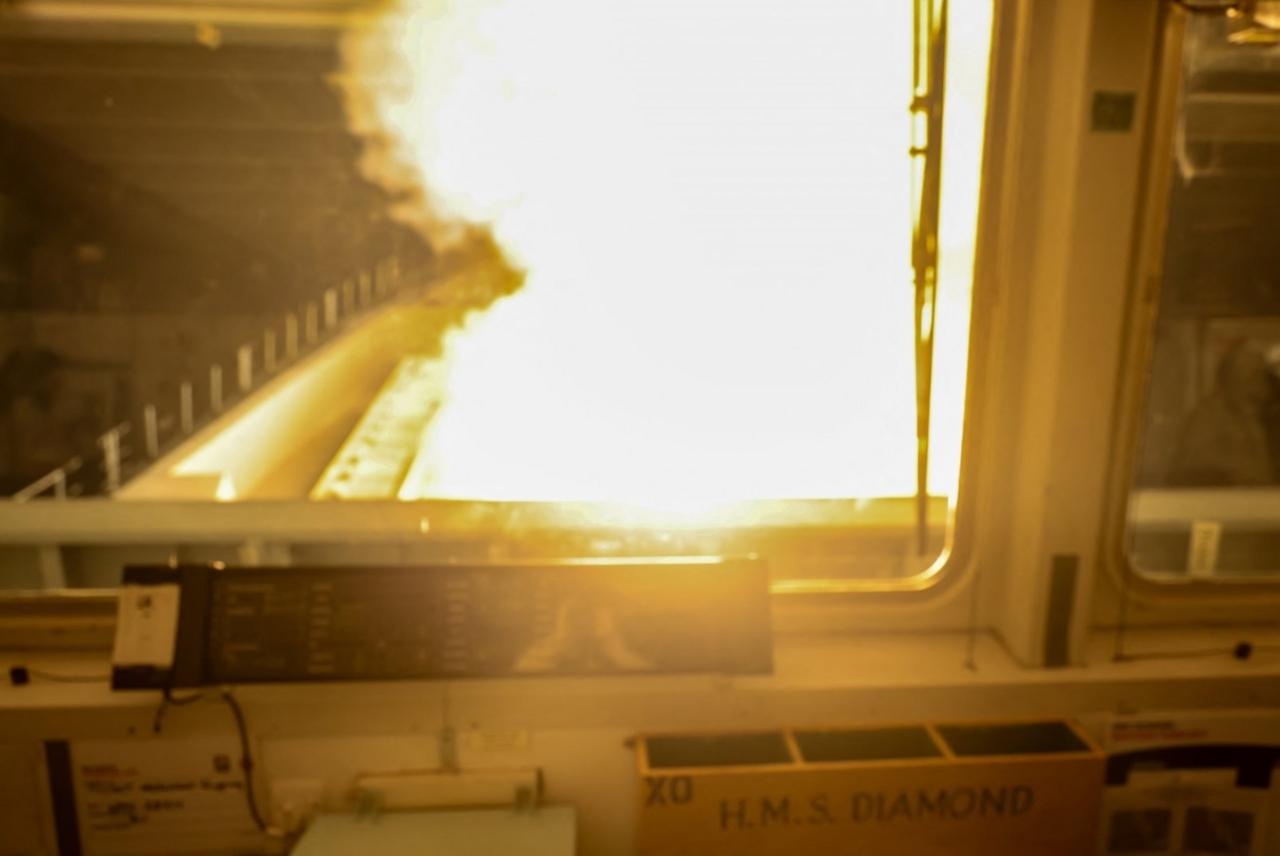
{"x": 102, "y": 521}
{"x": 1146, "y": 277}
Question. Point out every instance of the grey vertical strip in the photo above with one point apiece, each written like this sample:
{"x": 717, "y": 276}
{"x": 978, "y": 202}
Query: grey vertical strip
{"x": 62, "y": 796}
{"x": 1063, "y": 571}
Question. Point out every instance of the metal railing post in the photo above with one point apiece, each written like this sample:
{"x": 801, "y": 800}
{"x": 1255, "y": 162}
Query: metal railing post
{"x": 186, "y": 407}
{"x": 110, "y": 443}
{"x": 215, "y": 387}
{"x": 330, "y": 309}
{"x": 313, "y": 324}
{"x": 290, "y": 336}
{"x": 366, "y": 289}
{"x": 55, "y": 479}
{"x": 269, "y": 350}
{"x": 348, "y": 297}
{"x": 151, "y": 431}
{"x": 244, "y": 367}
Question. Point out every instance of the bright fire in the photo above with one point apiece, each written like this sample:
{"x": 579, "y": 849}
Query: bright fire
{"x": 711, "y": 200}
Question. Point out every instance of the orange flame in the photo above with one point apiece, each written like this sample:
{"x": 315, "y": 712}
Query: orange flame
{"x": 711, "y": 200}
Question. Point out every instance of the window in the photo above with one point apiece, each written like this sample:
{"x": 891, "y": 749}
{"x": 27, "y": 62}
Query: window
{"x": 663, "y": 277}
{"x": 1206, "y": 497}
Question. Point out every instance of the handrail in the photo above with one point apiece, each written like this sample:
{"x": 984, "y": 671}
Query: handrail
{"x": 116, "y": 460}
{"x": 55, "y": 480}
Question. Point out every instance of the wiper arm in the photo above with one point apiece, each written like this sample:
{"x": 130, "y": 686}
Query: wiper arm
{"x": 928, "y": 86}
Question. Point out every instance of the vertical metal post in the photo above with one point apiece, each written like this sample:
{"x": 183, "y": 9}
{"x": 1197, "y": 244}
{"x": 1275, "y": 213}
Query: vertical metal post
{"x": 380, "y": 277}
{"x": 186, "y": 407}
{"x": 330, "y": 309}
{"x": 110, "y": 443}
{"x": 348, "y": 297}
{"x": 151, "y": 431}
{"x": 290, "y": 336}
{"x": 244, "y": 367}
{"x": 927, "y": 107}
{"x": 269, "y": 350}
{"x": 215, "y": 387}
{"x": 313, "y": 324}
{"x": 53, "y": 573}
{"x": 366, "y": 289}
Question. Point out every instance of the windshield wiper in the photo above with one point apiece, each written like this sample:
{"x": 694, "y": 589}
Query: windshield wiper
{"x": 928, "y": 85}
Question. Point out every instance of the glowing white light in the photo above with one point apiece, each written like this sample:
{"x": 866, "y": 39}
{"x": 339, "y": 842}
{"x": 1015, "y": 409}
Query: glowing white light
{"x": 712, "y": 201}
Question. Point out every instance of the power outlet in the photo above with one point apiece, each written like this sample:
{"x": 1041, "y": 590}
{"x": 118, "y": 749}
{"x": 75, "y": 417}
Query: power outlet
{"x": 294, "y": 802}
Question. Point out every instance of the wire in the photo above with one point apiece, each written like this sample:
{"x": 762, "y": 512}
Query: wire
{"x": 246, "y": 758}
{"x": 242, "y": 731}
{"x": 170, "y": 700}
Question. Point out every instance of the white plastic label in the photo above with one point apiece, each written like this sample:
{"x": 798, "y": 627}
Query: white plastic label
{"x": 1202, "y": 554}
{"x": 146, "y": 625}
{"x": 162, "y": 797}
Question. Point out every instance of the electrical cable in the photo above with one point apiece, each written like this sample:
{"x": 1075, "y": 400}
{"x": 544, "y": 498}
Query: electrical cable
{"x": 170, "y": 700}
{"x": 246, "y": 758}
{"x": 242, "y": 731}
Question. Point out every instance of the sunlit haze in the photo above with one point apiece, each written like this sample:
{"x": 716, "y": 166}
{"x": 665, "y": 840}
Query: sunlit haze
{"x": 712, "y": 203}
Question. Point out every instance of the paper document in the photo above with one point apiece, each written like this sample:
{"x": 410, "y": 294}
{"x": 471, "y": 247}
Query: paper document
{"x": 146, "y": 625}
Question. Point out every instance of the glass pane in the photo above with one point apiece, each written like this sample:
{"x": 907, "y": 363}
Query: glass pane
{"x": 1207, "y": 497}
{"x": 655, "y": 256}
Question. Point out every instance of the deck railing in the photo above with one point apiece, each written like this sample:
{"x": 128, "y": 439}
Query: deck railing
{"x": 129, "y": 446}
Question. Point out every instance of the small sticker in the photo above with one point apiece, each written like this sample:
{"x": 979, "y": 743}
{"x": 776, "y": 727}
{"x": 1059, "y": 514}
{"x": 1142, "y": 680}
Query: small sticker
{"x": 146, "y": 625}
{"x": 1202, "y": 554}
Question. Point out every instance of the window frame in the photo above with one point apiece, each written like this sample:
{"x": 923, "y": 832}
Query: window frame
{"x": 1146, "y": 285}
{"x": 54, "y": 523}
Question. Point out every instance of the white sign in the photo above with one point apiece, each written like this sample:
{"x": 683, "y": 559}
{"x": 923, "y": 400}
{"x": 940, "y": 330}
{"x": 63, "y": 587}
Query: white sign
{"x": 162, "y": 796}
{"x": 146, "y": 625}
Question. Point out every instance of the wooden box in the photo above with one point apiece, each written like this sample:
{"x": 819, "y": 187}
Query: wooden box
{"x": 910, "y": 790}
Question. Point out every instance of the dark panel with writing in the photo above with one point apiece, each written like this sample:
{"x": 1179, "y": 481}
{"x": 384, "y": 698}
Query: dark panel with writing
{"x": 570, "y": 618}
